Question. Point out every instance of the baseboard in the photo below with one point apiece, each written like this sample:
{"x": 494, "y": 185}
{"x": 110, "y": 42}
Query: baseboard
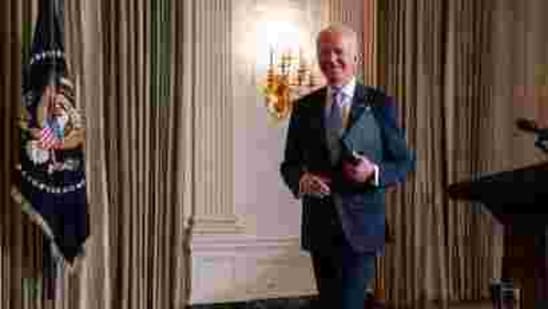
{"x": 304, "y": 302}
{"x": 298, "y": 302}
{"x": 309, "y": 302}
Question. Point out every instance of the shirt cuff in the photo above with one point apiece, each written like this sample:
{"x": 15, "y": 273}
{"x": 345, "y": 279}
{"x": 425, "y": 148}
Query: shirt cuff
{"x": 375, "y": 180}
{"x": 300, "y": 193}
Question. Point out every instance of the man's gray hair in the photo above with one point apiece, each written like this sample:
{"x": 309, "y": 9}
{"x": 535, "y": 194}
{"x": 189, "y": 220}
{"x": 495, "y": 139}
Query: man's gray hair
{"x": 343, "y": 29}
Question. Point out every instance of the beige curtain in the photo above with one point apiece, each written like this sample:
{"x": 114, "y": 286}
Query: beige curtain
{"x": 10, "y": 54}
{"x": 453, "y": 67}
{"x": 434, "y": 57}
{"x": 131, "y": 66}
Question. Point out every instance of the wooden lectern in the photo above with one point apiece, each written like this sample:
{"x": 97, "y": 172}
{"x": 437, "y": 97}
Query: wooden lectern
{"x": 519, "y": 200}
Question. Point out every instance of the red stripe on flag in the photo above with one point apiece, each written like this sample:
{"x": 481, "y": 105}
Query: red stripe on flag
{"x": 47, "y": 138}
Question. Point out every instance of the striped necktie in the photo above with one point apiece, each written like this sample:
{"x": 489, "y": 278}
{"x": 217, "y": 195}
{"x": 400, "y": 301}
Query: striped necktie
{"x": 334, "y": 125}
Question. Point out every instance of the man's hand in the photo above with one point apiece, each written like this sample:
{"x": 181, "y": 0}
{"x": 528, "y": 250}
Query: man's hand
{"x": 314, "y": 185}
{"x": 360, "y": 169}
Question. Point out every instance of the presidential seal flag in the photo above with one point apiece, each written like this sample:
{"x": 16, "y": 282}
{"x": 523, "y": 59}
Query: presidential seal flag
{"x": 51, "y": 175}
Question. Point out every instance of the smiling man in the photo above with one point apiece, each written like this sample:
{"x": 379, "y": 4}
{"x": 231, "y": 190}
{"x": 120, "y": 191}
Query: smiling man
{"x": 343, "y": 149}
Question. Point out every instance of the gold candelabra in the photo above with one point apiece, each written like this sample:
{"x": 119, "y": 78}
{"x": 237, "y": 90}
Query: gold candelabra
{"x": 286, "y": 81}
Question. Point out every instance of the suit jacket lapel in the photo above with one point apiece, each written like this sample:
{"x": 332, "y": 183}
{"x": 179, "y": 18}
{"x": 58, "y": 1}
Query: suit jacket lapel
{"x": 321, "y": 112}
{"x": 318, "y": 115}
{"x": 358, "y": 106}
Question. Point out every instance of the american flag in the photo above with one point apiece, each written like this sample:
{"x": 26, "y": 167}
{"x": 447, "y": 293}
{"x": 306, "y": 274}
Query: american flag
{"x": 51, "y": 191}
{"x": 48, "y": 140}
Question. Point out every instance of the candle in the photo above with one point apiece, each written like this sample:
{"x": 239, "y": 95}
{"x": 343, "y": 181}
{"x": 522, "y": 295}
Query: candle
{"x": 271, "y": 55}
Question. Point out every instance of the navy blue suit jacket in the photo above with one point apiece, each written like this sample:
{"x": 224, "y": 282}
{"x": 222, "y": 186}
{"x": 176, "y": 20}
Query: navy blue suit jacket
{"x": 361, "y": 208}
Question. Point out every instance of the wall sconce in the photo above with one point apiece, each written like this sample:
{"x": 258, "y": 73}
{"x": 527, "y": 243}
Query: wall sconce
{"x": 283, "y": 51}
{"x": 288, "y": 78}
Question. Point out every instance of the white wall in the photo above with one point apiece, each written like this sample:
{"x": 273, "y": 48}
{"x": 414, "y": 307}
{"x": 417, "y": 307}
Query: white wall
{"x": 263, "y": 259}
{"x": 260, "y": 195}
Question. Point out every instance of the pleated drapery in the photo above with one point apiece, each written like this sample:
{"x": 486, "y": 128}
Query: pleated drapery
{"x": 455, "y": 68}
{"x": 130, "y": 66}
{"x": 142, "y": 71}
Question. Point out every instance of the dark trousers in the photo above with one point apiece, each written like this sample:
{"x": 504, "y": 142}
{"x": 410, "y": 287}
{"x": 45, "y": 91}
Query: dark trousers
{"x": 342, "y": 274}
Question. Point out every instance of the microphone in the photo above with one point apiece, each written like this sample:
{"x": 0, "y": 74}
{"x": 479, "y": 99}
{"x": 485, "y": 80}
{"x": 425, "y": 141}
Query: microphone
{"x": 531, "y": 126}
{"x": 527, "y": 125}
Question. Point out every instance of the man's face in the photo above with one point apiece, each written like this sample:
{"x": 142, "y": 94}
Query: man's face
{"x": 337, "y": 58}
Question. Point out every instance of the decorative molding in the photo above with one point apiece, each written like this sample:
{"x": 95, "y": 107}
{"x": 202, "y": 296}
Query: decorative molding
{"x": 246, "y": 268}
{"x": 243, "y": 242}
{"x": 299, "y": 302}
{"x": 213, "y": 102}
{"x": 228, "y": 224}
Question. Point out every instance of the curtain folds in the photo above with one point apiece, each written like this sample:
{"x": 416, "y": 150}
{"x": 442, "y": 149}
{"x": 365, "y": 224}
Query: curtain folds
{"x": 461, "y": 70}
{"x": 454, "y": 67}
{"x": 434, "y": 57}
{"x": 130, "y": 66}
